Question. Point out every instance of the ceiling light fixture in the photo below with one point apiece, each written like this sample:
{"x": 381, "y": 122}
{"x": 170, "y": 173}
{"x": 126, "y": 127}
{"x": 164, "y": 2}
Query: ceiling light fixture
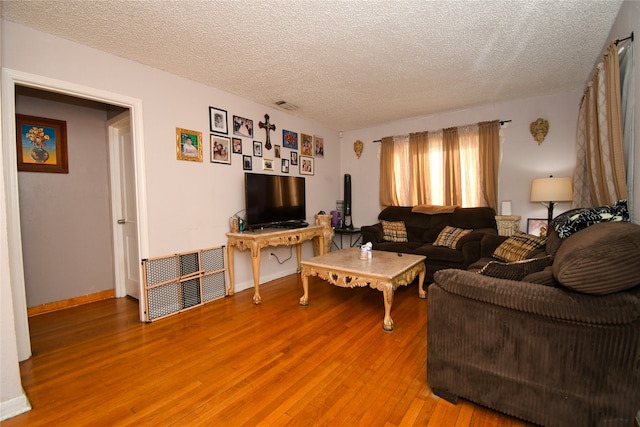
{"x": 286, "y": 105}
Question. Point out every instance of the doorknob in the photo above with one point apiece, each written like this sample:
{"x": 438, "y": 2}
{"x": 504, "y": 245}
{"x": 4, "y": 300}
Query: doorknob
{"x": 121, "y": 221}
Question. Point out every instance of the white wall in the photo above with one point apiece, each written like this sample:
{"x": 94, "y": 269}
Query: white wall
{"x": 66, "y": 218}
{"x": 522, "y": 158}
{"x": 189, "y": 203}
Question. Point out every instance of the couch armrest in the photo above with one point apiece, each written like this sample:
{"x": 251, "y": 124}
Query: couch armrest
{"x": 372, "y": 233}
{"x": 540, "y": 300}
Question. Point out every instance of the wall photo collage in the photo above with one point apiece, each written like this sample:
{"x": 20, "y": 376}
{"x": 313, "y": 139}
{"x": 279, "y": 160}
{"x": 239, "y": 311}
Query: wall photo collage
{"x": 294, "y": 149}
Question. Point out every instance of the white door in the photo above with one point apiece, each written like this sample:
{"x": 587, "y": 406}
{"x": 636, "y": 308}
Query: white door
{"x": 124, "y": 208}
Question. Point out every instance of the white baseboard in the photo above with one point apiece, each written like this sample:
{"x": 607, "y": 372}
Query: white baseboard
{"x": 16, "y": 406}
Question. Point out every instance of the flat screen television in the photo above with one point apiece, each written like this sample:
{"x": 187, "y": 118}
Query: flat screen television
{"x": 274, "y": 200}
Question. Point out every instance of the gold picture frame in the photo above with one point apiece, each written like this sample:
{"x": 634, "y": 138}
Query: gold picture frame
{"x": 188, "y": 145}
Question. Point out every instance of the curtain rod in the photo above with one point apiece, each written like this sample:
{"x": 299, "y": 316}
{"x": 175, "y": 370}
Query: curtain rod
{"x": 627, "y": 38}
{"x": 502, "y": 122}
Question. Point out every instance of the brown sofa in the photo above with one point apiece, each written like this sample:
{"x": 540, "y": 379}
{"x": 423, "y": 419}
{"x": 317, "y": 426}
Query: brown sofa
{"x": 422, "y": 230}
{"x": 564, "y": 351}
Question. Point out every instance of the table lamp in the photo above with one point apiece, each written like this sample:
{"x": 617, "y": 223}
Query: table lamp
{"x": 551, "y": 190}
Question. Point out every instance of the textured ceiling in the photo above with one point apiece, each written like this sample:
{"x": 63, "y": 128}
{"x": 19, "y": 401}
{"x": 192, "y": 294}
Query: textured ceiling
{"x": 347, "y": 64}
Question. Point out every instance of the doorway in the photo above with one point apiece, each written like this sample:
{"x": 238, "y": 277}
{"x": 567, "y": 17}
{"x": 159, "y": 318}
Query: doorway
{"x": 69, "y": 247}
{"x": 11, "y": 79}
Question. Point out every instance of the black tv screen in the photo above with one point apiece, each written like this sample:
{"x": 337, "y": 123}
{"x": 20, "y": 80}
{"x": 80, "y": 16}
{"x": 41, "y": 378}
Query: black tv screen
{"x": 272, "y": 200}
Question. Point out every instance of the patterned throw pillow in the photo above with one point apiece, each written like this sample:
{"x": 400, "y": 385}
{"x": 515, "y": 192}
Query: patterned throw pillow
{"x": 518, "y": 247}
{"x": 449, "y": 236}
{"x": 515, "y": 270}
{"x": 394, "y": 231}
{"x": 575, "y": 220}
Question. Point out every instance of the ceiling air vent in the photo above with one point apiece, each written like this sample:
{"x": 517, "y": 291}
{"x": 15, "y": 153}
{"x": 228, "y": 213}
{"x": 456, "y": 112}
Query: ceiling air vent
{"x": 286, "y": 105}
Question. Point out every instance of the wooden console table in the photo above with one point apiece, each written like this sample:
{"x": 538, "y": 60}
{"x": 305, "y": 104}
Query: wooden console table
{"x": 258, "y": 239}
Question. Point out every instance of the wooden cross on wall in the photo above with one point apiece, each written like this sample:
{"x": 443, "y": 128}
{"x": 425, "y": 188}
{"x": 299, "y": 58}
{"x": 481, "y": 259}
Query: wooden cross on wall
{"x": 267, "y": 127}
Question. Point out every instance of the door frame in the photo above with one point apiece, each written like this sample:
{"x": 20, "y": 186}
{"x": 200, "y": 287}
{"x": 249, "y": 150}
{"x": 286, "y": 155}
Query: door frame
{"x": 11, "y": 78}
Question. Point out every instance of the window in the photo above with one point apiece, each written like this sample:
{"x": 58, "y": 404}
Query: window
{"x": 456, "y": 166}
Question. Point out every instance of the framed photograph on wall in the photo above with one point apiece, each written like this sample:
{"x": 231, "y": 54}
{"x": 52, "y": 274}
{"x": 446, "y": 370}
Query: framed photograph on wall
{"x": 220, "y": 149}
{"x": 294, "y": 158}
{"x": 306, "y": 165}
{"x": 41, "y": 144}
{"x": 242, "y": 127}
{"x": 285, "y": 166}
{"x": 318, "y": 143}
{"x": 267, "y": 164}
{"x": 246, "y": 163}
{"x": 237, "y": 145}
{"x": 257, "y": 148}
{"x": 537, "y": 226}
{"x": 290, "y": 139}
{"x": 306, "y": 144}
{"x": 188, "y": 145}
{"x": 276, "y": 151}
{"x": 218, "y": 120}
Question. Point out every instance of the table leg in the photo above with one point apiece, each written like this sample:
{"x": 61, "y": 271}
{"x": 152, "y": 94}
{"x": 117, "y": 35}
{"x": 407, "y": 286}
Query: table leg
{"x": 232, "y": 286}
{"x": 304, "y": 300}
{"x": 387, "y": 294}
{"x": 255, "y": 267}
{"x": 298, "y": 256}
{"x": 421, "y": 292}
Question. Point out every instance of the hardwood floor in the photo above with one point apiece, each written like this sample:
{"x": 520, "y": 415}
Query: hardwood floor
{"x": 233, "y": 363}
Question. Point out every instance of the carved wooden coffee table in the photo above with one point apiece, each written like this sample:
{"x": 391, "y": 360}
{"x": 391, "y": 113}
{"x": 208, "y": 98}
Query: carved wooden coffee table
{"x": 385, "y": 271}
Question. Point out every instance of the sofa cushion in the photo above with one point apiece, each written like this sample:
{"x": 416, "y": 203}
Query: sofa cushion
{"x": 450, "y": 236}
{"x": 394, "y": 231}
{"x": 414, "y": 223}
{"x": 518, "y": 246}
{"x": 406, "y": 247}
{"x": 515, "y": 270}
{"x": 572, "y": 221}
{"x": 600, "y": 259}
{"x": 543, "y": 277}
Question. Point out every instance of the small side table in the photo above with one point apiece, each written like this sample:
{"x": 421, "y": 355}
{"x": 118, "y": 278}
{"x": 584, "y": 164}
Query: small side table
{"x": 507, "y": 224}
{"x": 351, "y": 232}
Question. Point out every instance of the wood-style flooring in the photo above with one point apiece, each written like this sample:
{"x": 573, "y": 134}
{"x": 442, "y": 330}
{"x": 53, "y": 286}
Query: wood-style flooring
{"x": 233, "y": 363}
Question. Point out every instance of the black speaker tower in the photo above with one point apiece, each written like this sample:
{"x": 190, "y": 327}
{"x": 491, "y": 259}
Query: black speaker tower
{"x": 346, "y": 222}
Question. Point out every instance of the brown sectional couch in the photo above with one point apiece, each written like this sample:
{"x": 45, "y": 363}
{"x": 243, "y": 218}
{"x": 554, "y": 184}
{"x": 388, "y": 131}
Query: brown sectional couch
{"x": 422, "y": 229}
{"x": 563, "y": 351}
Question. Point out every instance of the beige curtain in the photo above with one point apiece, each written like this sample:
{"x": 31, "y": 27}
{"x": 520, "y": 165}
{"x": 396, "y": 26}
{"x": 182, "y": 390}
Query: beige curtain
{"x": 388, "y": 190}
{"x": 419, "y": 165}
{"x": 489, "y": 155}
{"x": 452, "y": 174}
{"x": 600, "y": 176}
{"x": 456, "y": 166}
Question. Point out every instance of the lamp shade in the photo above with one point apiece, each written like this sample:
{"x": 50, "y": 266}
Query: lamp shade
{"x": 552, "y": 189}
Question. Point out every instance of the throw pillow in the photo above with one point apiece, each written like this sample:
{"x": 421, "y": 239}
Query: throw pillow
{"x": 394, "y": 231}
{"x": 449, "y": 236}
{"x": 600, "y": 259}
{"x": 578, "y": 219}
{"x": 518, "y": 246}
{"x": 515, "y": 270}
